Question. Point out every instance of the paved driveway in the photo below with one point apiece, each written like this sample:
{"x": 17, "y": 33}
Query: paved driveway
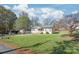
{"x": 6, "y": 50}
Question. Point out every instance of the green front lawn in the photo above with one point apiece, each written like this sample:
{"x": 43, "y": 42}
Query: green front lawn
{"x": 41, "y": 43}
{"x": 45, "y": 43}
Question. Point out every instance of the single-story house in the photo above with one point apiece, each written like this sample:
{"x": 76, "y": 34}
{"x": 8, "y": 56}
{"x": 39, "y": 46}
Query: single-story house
{"x": 41, "y": 30}
{"x": 22, "y": 31}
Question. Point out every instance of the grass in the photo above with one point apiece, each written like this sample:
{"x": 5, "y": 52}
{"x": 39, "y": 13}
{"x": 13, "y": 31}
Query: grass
{"x": 45, "y": 43}
{"x": 39, "y": 43}
{"x": 28, "y": 40}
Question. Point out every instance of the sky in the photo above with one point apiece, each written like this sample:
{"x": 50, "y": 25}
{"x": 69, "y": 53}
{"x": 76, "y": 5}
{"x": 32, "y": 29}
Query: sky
{"x": 66, "y": 8}
{"x": 43, "y": 11}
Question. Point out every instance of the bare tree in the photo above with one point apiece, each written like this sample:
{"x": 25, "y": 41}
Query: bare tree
{"x": 72, "y": 27}
{"x": 71, "y": 24}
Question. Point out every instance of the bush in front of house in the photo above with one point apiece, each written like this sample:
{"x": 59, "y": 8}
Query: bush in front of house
{"x": 47, "y": 32}
{"x": 41, "y": 33}
{"x": 55, "y": 32}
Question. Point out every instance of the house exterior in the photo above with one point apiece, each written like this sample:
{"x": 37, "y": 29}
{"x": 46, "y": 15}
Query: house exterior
{"x": 22, "y": 31}
{"x": 41, "y": 30}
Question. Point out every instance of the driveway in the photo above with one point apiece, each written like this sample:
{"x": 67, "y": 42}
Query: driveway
{"x": 6, "y": 50}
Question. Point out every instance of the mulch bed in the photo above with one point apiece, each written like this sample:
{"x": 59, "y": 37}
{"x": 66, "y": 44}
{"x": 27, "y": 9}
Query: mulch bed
{"x": 22, "y": 51}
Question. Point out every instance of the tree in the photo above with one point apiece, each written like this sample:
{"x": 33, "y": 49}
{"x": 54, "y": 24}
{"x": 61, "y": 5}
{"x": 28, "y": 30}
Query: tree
{"x": 68, "y": 23}
{"x": 7, "y": 19}
{"x": 35, "y": 21}
{"x": 22, "y": 22}
{"x": 72, "y": 25}
{"x": 54, "y": 26}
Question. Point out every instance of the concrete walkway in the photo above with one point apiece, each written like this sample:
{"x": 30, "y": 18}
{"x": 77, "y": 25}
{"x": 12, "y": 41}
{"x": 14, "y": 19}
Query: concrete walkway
{"x": 3, "y": 48}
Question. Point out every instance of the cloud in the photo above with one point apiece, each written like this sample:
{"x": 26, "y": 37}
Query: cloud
{"x": 20, "y": 8}
{"x": 74, "y": 12}
{"x": 45, "y": 12}
{"x": 51, "y": 12}
{"x": 7, "y": 7}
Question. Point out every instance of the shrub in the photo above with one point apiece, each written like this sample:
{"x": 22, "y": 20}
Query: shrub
{"x": 55, "y": 32}
{"x": 76, "y": 35}
{"x": 41, "y": 33}
{"x": 47, "y": 32}
{"x": 67, "y": 47}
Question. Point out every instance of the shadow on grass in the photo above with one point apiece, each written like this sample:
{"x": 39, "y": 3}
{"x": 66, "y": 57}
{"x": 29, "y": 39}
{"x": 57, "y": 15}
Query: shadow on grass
{"x": 66, "y": 47}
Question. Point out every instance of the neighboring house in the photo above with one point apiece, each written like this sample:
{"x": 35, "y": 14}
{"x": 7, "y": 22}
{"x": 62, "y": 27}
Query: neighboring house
{"x": 22, "y": 31}
{"x": 41, "y": 30}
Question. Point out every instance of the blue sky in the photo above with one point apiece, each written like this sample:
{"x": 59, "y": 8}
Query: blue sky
{"x": 66, "y": 8}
